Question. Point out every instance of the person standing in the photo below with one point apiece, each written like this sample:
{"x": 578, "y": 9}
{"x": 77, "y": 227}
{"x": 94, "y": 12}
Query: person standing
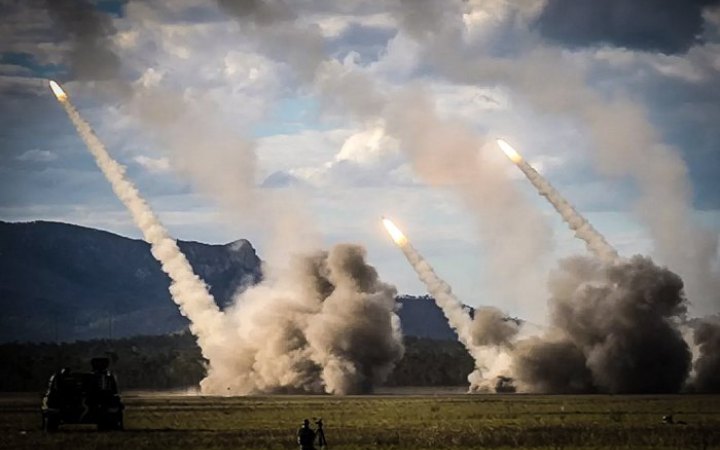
{"x": 322, "y": 443}
{"x": 306, "y": 436}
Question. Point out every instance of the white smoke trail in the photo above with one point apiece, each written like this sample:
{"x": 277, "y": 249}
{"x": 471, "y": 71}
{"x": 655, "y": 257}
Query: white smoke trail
{"x": 489, "y": 362}
{"x": 187, "y": 289}
{"x": 594, "y": 241}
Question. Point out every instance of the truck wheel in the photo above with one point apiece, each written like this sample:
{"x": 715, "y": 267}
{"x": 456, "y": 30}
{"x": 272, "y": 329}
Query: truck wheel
{"x": 111, "y": 422}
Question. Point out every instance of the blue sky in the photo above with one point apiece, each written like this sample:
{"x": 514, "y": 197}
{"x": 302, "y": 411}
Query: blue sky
{"x": 275, "y": 124}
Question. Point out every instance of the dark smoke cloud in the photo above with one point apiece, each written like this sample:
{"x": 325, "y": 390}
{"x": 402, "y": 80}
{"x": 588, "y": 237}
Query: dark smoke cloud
{"x": 327, "y": 326}
{"x": 91, "y": 56}
{"x": 551, "y": 366}
{"x": 356, "y": 333}
{"x": 619, "y": 321}
{"x": 667, "y": 26}
{"x": 491, "y": 327}
{"x": 707, "y": 366}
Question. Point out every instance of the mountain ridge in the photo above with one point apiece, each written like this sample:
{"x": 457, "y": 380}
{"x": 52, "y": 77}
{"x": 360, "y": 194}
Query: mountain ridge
{"x": 65, "y": 282}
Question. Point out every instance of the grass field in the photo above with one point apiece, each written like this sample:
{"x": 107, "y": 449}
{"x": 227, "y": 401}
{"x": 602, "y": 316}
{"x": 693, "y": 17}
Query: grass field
{"x": 383, "y": 421}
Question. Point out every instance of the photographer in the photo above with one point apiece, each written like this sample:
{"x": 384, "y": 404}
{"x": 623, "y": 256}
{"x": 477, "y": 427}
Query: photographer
{"x": 322, "y": 443}
{"x": 306, "y": 436}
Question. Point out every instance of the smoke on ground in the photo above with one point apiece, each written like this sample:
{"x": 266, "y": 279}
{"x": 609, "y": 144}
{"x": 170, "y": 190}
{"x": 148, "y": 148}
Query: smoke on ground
{"x": 491, "y": 327}
{"x": 327, "y": 325}
{"x": 706, "y": 368}
{"x": 615, "y": 329}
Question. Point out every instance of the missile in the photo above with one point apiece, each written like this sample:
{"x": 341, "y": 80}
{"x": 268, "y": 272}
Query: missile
{"x": 594, "y": 241}
{"x": 397, "y": 236}
{"x": 58, "y": 91}
{"x": 510, "y": 152}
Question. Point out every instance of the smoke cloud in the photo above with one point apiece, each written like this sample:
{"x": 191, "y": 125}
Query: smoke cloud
{"x": 181, "y": 122}
{"x": 614, "y": 327}
{"x": 91, "y": 56}
{"x": 187, "y": 289}
{"x": 707, "y": 367}
{"x": 410, "y": 117}
{"x": 625, "y": 143}
{"x": 479, "y": 335}
{"x": 327, "y": 325}
{"x": 595, "y": 241}
{"x": 492, "y": 328}
{"x": 552, "y": 364}
{"x": 448, "y": 155}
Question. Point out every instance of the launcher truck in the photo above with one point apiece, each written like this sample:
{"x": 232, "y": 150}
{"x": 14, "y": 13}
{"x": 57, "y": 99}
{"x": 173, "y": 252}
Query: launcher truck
{"x": 83, "y": 398}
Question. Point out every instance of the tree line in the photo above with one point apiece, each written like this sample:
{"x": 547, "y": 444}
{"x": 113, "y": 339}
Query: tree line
{"x": 174, "y": 362}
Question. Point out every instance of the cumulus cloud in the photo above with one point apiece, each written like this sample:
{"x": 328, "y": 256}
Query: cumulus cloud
{"x": 37, "y": 155}
{"x": 367, "y": 158}
{"x": 154, "y": 165}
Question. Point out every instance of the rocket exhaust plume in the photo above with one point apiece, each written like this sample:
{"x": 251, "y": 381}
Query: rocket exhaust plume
{"x": 397, "y": 236}
{"x": 187, "y": 289}
{"x": 456, "y": 315}
{"x": 58, "y": 91}
{"x": 594, "y": 241}
{"x": 486, "y": 358}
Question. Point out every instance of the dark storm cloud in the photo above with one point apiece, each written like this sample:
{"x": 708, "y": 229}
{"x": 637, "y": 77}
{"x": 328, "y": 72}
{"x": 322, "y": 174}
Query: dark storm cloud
{"x": 667, "y": 26}
{"x": 272, "y": 24}
{"x": 260, "y": 11}
{"x": 89, "y": 30}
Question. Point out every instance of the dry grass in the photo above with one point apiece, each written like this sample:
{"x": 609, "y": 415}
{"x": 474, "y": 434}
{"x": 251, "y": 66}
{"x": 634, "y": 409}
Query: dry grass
{"x": 388, "y": 422}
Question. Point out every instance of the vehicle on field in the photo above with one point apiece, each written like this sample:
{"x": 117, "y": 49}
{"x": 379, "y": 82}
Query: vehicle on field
{"x": 83, "y": 398}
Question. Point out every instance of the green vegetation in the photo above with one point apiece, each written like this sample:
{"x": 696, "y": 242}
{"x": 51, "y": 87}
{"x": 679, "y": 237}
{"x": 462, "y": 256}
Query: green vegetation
{"x": 387, "y": 422}
{"x": 174, "y": 362}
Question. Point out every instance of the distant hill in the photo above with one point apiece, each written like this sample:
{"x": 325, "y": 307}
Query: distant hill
{"x": 62, "y": 282}
{"x": 66, "y": 282}
{"x": 422, "y": 318}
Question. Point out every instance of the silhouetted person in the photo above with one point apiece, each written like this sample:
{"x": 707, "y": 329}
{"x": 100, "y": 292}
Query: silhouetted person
{"x": 320, "y": 434}
{"x": 306, "y": 436}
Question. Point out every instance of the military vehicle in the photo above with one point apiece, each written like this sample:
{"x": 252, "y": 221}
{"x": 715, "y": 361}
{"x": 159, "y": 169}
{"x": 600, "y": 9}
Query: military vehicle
{"x": 83, "y": 398}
